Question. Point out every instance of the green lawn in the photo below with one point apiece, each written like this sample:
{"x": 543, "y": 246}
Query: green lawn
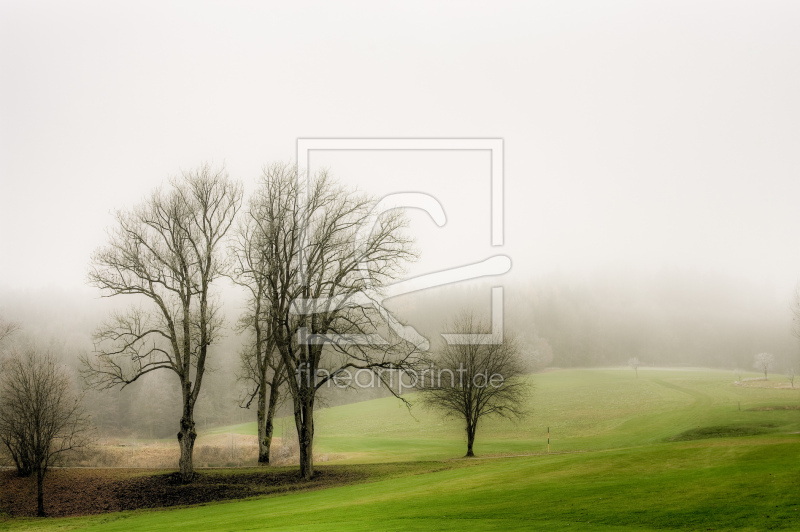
{"x": 614, "y": 465}
{"x": 584, "y": 409}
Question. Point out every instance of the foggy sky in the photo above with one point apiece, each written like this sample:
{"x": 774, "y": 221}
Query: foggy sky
{"x": 638, "y": 136}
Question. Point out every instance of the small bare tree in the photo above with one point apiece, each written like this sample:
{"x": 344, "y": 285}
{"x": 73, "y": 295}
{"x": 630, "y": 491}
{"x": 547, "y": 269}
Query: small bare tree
{"x": 634, "y": 363}
{"x": 167, "y": 252}
{"x": 40, "y": 416}
{"x": 790, "y": 375}
{"x": 473, "y": 381}
{"x": 764, "y": 362}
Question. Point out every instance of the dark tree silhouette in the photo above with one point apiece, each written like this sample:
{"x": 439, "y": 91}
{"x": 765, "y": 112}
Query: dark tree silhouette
{"x": 473, "y": 381}
{"x": 41, "y": 418}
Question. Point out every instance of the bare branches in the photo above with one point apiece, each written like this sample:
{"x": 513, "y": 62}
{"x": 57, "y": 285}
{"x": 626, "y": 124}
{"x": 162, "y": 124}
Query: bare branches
{"x": 7, "y": 328}
{"x": 634, "y": 364}
{"x": 41, "y": 418}
{"x": 129, "y": 346}
{"x": 314, "y": 257}
{"x": 167, "y": 251}
{"x": 764, "y": 362}
{"x": 472, "y": 381}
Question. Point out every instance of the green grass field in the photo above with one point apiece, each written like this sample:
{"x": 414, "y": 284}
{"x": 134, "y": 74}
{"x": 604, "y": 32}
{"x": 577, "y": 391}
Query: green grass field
{"x": 668, "y": 450}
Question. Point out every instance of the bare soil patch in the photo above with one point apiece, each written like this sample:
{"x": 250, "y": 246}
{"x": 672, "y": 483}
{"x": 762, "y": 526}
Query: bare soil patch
{"x": 72, "y": 492}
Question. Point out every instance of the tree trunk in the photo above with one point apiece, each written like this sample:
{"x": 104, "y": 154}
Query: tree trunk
{"x": 263, "y": 440}
{"x": 186, "y": 438}
{"x": 266, "y": 415}
{"x": 269, "y": 427}
{"x": 39, "y": 492}
{"x": 470, "y": 440}
{"x": 304, "y": 420}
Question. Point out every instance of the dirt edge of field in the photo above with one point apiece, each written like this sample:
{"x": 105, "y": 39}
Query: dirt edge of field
{"x": 75, "y": 492}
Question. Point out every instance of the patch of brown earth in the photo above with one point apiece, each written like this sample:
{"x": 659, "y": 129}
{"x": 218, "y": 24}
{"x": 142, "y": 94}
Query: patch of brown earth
{"x": 71, "y": 492}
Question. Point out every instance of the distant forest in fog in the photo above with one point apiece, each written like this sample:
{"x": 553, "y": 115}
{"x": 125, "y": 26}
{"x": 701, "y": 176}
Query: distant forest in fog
{"x": 670, "y": 318}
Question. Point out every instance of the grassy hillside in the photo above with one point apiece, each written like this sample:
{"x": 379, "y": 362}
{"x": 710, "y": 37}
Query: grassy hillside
{"x": 742, "y": 483}
{"x": 670, "y": 449}
{"x": 585, "y": 410}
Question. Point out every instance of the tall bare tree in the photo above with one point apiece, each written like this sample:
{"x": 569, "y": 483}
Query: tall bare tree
{"x": 41, "y": 417}
{"x": 328, "y": 254}
{"x": 262, "y": 366}
{"x": 167, "y": 252}
{"x": 474, "y": 381}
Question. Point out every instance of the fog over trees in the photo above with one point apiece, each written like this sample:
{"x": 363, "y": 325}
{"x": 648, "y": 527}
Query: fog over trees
{"x": 667, "y": 318}
{"x": 648, "y": 201}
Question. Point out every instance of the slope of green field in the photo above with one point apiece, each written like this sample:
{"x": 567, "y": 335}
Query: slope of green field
{"x": 584, "y": 409}
{"x": 741, "y": 483}
{"x": 647, "y": 453}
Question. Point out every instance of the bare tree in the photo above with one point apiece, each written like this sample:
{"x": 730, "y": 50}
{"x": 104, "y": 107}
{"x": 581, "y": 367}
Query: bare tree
{"x": 329, "y": 255}
{"x": 764, "y": 362}
{"x": 473, "y": 381}
{"x": 262, "y": 366}
{"x": 263, "y": 371}
{"x": 41, "y": 418}
{"x": 166, "y": 253}
{"x": 634, "y": 363}
{"x": 791, "y": 375}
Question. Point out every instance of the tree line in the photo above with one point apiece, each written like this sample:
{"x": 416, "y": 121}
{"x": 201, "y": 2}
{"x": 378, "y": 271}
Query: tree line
{"x": 312, "y": 256}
